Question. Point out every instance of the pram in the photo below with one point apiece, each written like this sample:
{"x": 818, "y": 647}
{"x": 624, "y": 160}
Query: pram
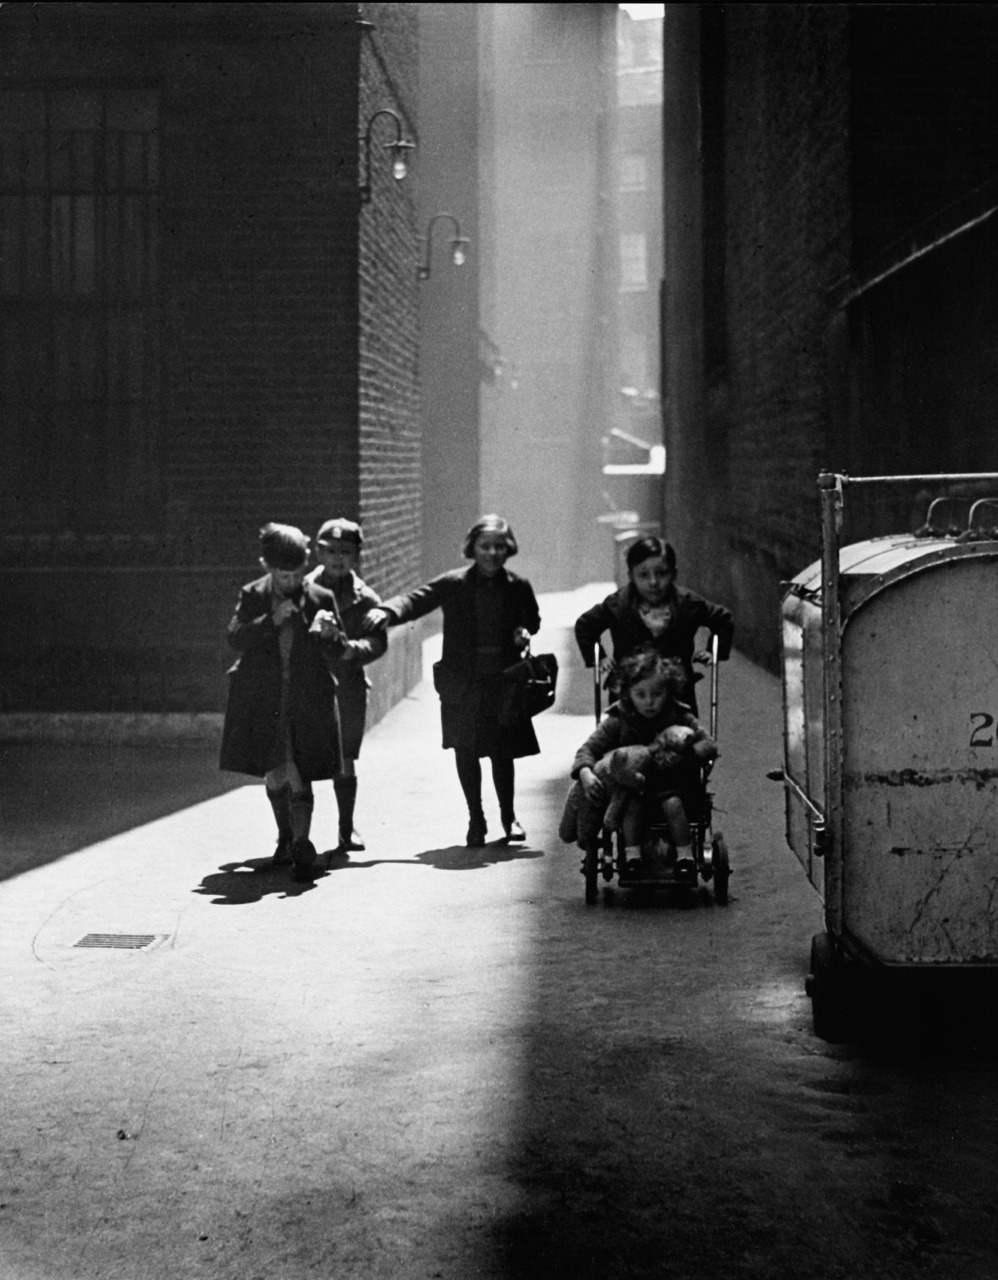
{"x": 604, "y": 853}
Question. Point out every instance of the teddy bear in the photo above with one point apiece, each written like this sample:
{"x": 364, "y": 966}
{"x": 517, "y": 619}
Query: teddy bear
{"x": 674, "y": 744}
{"x": 623, "y": 773}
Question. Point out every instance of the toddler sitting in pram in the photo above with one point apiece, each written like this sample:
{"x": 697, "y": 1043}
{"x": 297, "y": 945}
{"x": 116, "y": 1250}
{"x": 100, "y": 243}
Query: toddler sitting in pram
{"x": 648, "y": 714}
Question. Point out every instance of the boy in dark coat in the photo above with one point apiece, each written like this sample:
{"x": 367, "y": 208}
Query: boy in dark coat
{"x": 281, "y": 718}
{"x": 338, "y": 550}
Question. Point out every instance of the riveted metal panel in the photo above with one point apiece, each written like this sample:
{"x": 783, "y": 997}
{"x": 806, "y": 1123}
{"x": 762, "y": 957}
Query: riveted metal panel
{"x": 920, "y": 764}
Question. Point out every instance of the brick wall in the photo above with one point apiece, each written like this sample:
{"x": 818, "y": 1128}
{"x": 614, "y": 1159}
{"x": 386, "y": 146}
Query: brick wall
{"x": 746, "y": 442}
{"x": 389, "y": 436}
{"x": 805, "y": 143}
{"x": 259, "y": 340}
{"x": 258, "y": 309}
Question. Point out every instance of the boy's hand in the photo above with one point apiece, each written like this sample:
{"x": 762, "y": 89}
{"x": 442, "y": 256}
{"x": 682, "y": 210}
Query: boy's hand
{"x": 703, "y": 657}
{"x": 282, "y": 611}
{"x": 376, "y": 620}
{"x": 324, "y": 623}
{"x": 521, "y": 638}
{"x": 592, "y": 788}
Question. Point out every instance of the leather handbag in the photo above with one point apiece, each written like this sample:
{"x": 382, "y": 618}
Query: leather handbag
{"x": 530, "y": 687}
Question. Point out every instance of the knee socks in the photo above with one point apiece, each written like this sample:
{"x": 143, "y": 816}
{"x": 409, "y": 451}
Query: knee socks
{"x": 346, "y": 797}
{"x": 279, "y": 802}
{"x": 300, "y": 808}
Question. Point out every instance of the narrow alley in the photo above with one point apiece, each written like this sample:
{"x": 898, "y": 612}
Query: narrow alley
{"x": 438, "y": 1062}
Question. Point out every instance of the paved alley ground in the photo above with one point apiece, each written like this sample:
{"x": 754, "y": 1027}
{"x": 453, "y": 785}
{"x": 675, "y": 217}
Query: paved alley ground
{"x": 438, "y": 1062}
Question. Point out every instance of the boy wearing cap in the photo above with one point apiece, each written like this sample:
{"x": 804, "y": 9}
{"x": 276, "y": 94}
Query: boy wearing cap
{"x": 281, "y": 720}
{"x": 338, "y": 552}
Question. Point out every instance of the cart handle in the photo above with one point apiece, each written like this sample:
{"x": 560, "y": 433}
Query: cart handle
{"x": 981, "y": 502}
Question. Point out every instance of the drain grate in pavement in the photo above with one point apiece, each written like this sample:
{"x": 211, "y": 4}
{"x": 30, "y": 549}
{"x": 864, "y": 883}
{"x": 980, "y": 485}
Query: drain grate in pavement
{"x": 121, "y": 941}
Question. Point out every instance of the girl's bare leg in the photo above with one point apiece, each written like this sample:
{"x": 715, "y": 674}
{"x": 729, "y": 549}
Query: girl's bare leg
{"x": 632, "y": 833}
{"x": 679, "y": 827}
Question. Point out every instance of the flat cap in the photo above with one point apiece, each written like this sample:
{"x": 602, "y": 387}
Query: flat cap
{"x": 339, "y": 530}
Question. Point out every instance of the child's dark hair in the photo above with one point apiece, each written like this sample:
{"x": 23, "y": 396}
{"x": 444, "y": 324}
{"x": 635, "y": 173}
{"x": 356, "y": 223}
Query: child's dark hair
{"x": 645, "y": 663}
{"x": 283, "y": 546}
{"x": 645, "y": 548}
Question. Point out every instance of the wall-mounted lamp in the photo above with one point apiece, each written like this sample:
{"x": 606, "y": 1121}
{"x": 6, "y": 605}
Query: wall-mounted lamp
{"x": 399, "y": 147}
{"x": 459, "y": 245}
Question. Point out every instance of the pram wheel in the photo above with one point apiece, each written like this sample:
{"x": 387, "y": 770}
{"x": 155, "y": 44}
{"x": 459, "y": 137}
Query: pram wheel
{"x": 720, "y": 869}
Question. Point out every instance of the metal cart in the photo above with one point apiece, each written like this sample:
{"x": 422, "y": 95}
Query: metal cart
{"x": 890, "y": 696}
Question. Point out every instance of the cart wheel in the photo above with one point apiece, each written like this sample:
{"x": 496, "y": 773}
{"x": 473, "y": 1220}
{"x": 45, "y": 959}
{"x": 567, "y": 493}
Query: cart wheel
{"x": 826, "y": 985}
{"x": 721, "y": 869}
{"x": 590, "y": 869}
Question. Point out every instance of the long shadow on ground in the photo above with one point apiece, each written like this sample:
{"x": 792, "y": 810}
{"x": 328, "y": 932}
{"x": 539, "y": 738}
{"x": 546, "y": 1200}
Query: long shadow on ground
{"x": 56, "y": 799}
{"x": 241, "y": 884}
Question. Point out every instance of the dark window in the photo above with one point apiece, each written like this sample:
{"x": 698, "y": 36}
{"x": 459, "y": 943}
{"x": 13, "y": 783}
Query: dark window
{"x": 79, "y": 383}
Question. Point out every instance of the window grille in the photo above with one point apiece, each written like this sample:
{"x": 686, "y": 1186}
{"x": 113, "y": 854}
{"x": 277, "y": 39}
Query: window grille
{"x": 79, "y": 342}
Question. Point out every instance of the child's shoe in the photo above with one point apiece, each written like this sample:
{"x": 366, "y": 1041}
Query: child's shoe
{"x": 282, "y": 854}
{"x": 351, "y": 841}
{"x": 686, "y": 868}
{"x": 515, "y": 834}
{"x": 476, "y": 833}
{"x": 304, "y": 856}
{"x": 346, "y": 798}
{"x": 632, "y": 864}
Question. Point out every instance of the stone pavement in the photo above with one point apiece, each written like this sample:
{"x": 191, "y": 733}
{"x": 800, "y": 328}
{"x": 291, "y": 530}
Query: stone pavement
{"x": 290, "y": 1080}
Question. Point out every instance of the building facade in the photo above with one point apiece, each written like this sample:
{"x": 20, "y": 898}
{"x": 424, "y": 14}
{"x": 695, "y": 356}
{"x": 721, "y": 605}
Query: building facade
{"x": 633, "y": 453}
{"x": 829, "y": 191}
{"x": 548, "y": 267}
{"x": 204, "y": 327}
{"x": 449, "y": 293}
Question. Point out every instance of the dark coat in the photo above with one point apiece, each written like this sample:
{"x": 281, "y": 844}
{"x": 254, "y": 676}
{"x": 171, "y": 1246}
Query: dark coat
{"x": 619, "y": 615}
{"x": 252, "y": 740}
{"x": 355, "y": 600}
{"x": 623, "y": 727}
{"x": 469, "y": 704}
